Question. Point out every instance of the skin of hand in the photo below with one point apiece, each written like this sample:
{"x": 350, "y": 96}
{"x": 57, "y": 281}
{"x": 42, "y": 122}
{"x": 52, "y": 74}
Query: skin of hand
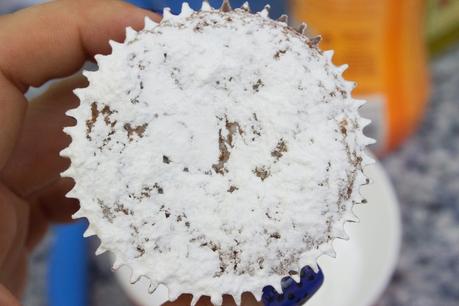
{"x": 41, "y": 43}
{"x": 38, "y": 44}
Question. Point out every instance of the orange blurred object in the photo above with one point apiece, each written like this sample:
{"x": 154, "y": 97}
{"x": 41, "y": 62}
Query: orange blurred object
{"x": 383, "y": 43}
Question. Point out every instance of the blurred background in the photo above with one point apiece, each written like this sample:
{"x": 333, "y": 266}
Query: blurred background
{"x": 404, "y": 55}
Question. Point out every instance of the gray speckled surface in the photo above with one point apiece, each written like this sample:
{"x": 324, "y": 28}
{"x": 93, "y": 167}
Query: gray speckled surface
{"x": 425, "y": 173}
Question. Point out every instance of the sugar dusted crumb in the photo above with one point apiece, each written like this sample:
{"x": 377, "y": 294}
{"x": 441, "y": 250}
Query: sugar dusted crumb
{"x": 224, "y": 141}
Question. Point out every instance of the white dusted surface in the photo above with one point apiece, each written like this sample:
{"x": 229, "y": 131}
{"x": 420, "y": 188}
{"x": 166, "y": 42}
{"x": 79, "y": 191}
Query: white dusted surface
{"x": 209, "y": 139}
{"x": 363, "y": 265}
{"x": 427, "y": 164}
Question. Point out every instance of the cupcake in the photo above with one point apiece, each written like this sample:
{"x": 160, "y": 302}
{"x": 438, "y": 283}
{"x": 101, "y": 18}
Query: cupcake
{"x": 217, "y": 152}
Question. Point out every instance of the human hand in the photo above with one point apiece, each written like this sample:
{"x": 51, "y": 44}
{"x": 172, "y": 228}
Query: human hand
{"x": 39, "y": 44}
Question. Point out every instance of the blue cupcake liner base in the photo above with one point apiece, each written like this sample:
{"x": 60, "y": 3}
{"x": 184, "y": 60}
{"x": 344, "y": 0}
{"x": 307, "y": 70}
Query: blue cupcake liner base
{"x": 293, "y": 293}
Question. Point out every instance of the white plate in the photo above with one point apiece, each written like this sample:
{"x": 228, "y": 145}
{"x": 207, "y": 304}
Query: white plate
{"x": 363, "y": 266}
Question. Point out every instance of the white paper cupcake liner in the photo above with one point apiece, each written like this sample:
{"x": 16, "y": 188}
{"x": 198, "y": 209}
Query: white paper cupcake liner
{"x": 216, "y": 152}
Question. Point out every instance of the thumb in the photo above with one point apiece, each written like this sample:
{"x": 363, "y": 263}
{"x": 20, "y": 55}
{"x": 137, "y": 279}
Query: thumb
{"x": 6, "y": 298}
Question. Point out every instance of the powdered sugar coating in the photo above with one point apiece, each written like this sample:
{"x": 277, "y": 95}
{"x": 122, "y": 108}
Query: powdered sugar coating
{"x": 216, "y": 152}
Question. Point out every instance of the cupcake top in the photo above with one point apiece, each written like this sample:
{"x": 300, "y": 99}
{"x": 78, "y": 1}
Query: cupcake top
{"x": 216, "y": 152}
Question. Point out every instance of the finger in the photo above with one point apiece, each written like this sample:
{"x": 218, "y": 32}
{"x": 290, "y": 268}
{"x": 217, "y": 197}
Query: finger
{"x": 8, "y": 225}
{"x": 56, "y": 45}
{"x": 228, "y": 300}
{"x": 35, "y": 161}
{"x": 13, "y": 224}
{"x": 18, "y": 274}
{"x": 50, "y": 205}
{"x": 204, "y": 301}
{"x": 38, "y": 224}
{"x": 61, "y": 35}
{"x": 13, "y": 106}
{"x": 249, "y": 300}
{"x": 6, "y": 298}
{"x": 56, "y": 207}
{"x": 183, "y": 300}
{"x": 14, "y": 221}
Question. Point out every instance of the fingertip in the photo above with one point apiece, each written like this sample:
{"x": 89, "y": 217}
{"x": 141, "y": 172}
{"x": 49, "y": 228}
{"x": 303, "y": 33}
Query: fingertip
{"x": 152, "y": 15}
{"x": 7, "y": 298}
{"x": 120, "y": 15}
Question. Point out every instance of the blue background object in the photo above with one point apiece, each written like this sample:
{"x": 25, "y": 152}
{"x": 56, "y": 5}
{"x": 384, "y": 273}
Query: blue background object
{"x": 68, "y": 266}
{"x": 152, "y": 5}
{"x": 278, "y": 7}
